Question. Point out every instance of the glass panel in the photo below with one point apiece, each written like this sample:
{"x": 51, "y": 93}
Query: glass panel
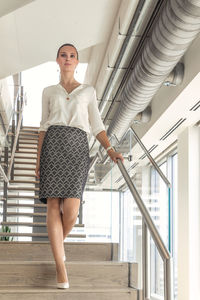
{"x": 101, "y": 207}
{"x": 130, "y": 217}
{"x": 159, "y": 209}
{"x": 101, "y": 216}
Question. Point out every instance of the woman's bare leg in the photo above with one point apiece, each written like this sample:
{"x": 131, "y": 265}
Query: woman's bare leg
{"x": 70, "y": 213}
{"x": 55, "y": 234}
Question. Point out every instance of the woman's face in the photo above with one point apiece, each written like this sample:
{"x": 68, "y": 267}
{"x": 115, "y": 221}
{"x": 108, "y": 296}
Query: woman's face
{"x": 67, "y": 58}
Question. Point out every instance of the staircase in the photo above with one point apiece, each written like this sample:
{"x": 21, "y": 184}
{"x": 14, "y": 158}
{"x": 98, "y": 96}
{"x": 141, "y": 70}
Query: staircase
{"x": 27, "y": 271}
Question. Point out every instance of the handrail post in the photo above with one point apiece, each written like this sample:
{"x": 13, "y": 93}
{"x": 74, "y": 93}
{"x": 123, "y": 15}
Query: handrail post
{"x": 12, "y": 143}
{"x": 145, "y": 261}
{"x": 168, "y": 282}
{"x": 21, "y": 103}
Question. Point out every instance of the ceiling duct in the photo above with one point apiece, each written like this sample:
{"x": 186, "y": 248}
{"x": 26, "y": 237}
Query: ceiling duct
{"x": 177, "y": 26}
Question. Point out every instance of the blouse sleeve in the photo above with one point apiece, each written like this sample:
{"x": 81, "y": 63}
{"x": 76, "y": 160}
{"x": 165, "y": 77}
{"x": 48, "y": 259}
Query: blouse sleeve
{"x": 94, "y": 116}
{"x": 45, "y": 111}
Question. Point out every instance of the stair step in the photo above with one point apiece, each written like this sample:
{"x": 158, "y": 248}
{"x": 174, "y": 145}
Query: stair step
{"x": 24, "y": 181}
{"x": 24, "y": 169}
{"x": 34, "y": 224}
{"x": 80, "y": 273}
{"x": 28, "y": 136}
{"x": 21, "y": 213}
{"x": 24, "y": 162}
{"x": 81, "y": 293}
{"x": 26, "y": 141}
{"x": 41, "y": 251}
{"x": 20, "y": 197}
{"x": 24, "y": 175}
{"x": 24, "y": 132}
{"x": 26, "y": 205}
{"x": 27, "y": 152}
{"x": 26, "y": 147}
{"x": 39, "y": 234}
{"x": 25, "y": 214}
{"x": 20, "y": 188}
{"x": 24, "y": 157}
{"x": 29, "y": 128}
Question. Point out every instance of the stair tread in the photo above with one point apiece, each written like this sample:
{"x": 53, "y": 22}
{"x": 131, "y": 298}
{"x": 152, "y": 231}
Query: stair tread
{"x": 30, "y": 187}
{"x": 33, "y": 224}
{"x": 48, "y": 242}
{"x": 36, "y": 289}
{"x": 23, "y": 197}
{"x": 38, "y": 234}
{"x": 26, "y": 205}
{"x": 24, "y": 181}
{"x": 52, "y": 262}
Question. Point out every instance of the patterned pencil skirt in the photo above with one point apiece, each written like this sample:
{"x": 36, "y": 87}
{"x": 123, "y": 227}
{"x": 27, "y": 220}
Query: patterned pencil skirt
{"x": 64, "y": 163}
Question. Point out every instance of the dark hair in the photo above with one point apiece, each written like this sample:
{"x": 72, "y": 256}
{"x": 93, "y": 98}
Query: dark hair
{"x": 67, "y": 45}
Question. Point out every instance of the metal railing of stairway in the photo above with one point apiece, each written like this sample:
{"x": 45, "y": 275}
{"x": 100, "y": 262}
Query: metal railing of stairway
{"x": 6, "y": 142}
{"x": 18, "y": 107}
{"x": 148, "y": 226}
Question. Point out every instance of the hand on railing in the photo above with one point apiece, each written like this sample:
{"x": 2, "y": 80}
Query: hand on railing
{"x": 114, "y": 155}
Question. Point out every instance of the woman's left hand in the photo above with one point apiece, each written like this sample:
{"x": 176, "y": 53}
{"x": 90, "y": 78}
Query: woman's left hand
{"x": 114, "y": 155}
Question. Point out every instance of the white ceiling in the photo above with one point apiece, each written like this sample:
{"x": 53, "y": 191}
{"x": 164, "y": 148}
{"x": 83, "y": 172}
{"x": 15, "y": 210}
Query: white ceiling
{"x": 31, "y": 35}
{"x": 8, "y": 6}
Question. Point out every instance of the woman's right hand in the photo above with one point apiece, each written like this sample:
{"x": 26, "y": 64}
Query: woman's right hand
{"x": 37, "y": 170}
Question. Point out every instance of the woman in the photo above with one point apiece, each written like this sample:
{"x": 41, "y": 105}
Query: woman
{"x": 68, "y": 109}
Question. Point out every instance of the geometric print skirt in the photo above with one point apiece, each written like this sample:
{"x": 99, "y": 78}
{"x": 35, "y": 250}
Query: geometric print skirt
{"x": 64, "y": 163}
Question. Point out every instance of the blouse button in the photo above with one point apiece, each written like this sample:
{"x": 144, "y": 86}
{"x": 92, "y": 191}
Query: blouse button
{"x": 67, "y": 98}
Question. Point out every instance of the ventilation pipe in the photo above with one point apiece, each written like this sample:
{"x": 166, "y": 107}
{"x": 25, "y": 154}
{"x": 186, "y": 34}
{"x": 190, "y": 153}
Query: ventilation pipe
{"x": 177, "y": 26}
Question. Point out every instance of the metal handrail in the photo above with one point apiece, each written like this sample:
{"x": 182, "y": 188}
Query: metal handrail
{"x": 149, "y": 224}
{"x": 16, "y": 139}
{"x": 6, "y": 177}
{"x": 13, "y": 112}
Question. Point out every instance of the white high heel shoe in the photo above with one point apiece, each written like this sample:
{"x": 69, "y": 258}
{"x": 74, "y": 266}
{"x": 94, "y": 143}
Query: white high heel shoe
{"x": 63, "y": 285}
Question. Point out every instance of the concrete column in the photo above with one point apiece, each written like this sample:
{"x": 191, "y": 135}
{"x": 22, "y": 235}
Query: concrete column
{"x": 189, "y": 214}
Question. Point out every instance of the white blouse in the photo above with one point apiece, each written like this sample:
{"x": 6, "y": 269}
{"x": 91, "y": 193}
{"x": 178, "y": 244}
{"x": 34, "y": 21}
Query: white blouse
{"x": 79, "y": 110}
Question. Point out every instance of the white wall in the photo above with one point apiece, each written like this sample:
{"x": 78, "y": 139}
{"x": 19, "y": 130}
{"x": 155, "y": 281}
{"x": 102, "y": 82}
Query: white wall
{"x": 189, "y": 214}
